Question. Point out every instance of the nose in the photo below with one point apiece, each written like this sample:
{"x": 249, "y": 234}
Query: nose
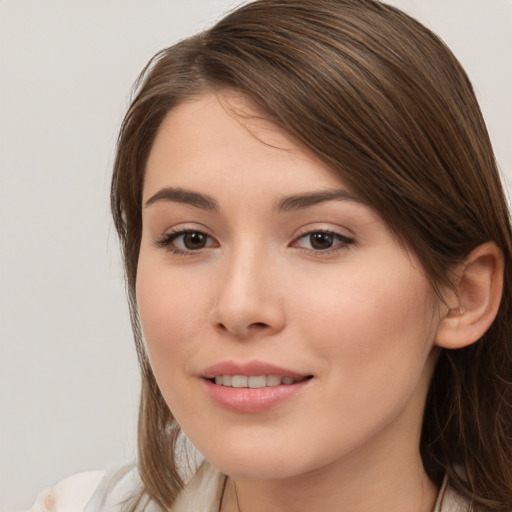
{"x": 248, "y": 301}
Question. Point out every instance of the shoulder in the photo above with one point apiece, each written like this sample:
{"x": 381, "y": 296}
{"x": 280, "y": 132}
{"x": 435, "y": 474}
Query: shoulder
{"x": 203, "y": 492}
{"x": 70, "y": 495}
{"x": 120, "y": 487}
{"x": 92, "y": 491}
{"x": 450, "y": 500}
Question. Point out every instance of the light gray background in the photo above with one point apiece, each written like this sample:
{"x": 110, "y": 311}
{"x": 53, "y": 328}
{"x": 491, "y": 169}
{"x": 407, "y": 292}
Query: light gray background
{"x": 68, "y": 377}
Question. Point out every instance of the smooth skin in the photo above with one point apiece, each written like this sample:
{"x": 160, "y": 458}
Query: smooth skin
{"x": 234, "y": 266}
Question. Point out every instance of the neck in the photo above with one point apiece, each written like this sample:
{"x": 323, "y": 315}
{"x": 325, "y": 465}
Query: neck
{"x": 403, "y": 490}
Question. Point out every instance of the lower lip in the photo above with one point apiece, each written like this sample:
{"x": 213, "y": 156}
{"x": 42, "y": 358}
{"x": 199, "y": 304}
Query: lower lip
{"x": 252, "y": 400}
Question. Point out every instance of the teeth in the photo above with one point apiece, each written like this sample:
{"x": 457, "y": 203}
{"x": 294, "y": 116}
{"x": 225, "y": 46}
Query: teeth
{"x": 223, "y": 381}
{"x": 273, "y": 380}
{"x": 239, "y": 381}
{"x": 260, "y": 381}
{"x": 257, "y": 382}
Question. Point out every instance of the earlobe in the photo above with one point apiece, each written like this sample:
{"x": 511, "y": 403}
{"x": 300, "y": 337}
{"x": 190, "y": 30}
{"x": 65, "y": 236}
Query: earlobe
{"x": 473, "y": 304}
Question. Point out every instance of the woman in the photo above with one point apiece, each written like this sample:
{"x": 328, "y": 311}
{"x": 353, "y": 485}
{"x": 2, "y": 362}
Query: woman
{"x": 317, "y": 251}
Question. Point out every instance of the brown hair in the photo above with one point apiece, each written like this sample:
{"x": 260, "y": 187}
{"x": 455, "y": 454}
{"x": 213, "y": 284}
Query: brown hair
{"x": 384, "y": 102}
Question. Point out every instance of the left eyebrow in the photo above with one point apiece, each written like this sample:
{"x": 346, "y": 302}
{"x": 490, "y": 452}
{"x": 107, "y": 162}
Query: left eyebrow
{"x": 180, "y": 195}
{"x": 308, "y": 199}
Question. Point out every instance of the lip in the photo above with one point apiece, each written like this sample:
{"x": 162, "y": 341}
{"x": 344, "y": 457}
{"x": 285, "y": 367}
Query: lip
{"x": 251, "y": 400}
{"x": 251, "y": 369}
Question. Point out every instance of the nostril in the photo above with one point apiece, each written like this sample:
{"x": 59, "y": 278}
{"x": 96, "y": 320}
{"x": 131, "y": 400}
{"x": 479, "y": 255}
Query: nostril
{"x": 258, "y": 325}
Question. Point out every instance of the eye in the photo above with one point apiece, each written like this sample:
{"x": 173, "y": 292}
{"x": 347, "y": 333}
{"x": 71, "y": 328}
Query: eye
{"x": 322, "y": 241}
{"x": 186, "y": 241}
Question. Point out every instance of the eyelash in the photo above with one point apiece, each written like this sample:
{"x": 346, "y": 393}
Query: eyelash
{"x": 343, "y": 242}
{"x": 167, "y": 240}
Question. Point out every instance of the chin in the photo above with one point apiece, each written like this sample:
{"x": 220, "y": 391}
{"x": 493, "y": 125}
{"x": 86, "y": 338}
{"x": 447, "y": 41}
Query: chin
{"x": 242, "y": 468}
{"x": 258, "y": 462}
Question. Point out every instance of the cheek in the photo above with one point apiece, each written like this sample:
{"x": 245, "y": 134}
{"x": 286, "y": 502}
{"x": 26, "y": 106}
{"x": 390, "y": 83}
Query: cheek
{"x": 169, "y": 308}
{"x": 374, "y": 320}
{"x": 374, "y": 335}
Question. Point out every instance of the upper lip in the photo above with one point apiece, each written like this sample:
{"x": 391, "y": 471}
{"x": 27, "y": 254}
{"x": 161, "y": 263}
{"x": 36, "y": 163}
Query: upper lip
{"x": 250, "y": 369}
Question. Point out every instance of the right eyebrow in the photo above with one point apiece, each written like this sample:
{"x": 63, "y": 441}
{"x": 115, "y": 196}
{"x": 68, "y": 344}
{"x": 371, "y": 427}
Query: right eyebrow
{"x": 181, "y": 195}
{"x": 308, "y": 199}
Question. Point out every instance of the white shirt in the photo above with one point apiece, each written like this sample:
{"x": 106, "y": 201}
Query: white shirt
{"x": 107, "y": 491}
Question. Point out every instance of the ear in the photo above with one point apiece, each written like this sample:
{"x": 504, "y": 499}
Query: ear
{"x": 473, "y": 304}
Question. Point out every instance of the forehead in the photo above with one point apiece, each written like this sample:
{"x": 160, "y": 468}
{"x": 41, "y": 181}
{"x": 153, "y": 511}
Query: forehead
{"x": 221, "y": 139}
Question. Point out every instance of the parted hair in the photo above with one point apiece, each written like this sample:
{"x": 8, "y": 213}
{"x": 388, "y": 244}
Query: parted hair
{"x": 383, "y": 101}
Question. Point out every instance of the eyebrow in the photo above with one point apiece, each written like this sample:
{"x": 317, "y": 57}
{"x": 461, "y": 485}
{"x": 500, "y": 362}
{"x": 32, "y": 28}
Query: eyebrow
{"x": 289, "y": 203}
{"x": 180, "y": 195}
{"x": 308, "y": 199}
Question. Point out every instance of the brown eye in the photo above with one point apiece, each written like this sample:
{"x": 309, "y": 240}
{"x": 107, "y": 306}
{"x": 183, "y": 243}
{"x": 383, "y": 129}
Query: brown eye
{"x": 194, "y": 240}
{"x": 186, "y": 241}
{"x": 323, "y": 241}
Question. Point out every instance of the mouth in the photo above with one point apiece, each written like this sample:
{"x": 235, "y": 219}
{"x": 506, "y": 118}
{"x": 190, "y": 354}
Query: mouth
{"x": 253, "y": 387}
{"x": 256, "y": 381}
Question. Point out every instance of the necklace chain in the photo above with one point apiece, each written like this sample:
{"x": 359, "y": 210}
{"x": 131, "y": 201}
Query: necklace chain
{"x": 236, "y": 497}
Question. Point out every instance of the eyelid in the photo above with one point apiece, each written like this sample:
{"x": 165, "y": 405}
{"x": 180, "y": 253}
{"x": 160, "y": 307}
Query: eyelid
{"x": 170, "y": 235}
{"x": 320, "y": 227}
{"x": 343, "y": 239}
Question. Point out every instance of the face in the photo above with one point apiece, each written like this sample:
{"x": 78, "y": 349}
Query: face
{"x": 287, "y": 328}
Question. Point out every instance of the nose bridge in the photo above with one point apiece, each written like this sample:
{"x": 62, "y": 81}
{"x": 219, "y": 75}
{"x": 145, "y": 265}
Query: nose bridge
{"x": 247, "y": 300}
